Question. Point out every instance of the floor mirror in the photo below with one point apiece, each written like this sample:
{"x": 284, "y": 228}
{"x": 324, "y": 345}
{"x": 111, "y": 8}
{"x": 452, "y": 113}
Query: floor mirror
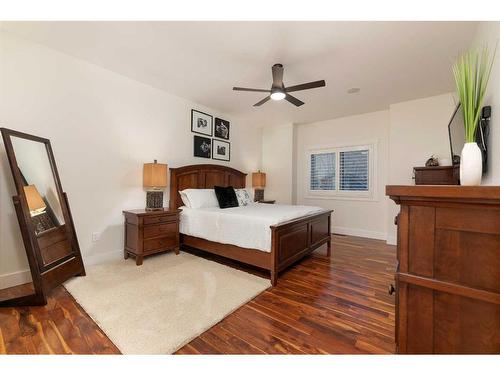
{"x": 44, "y": 217}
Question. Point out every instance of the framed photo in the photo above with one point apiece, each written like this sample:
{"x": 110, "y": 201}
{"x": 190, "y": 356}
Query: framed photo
{"x": 201, "y": 123}
{"x": 202, "y": 147}
{"x": 221, "y": 128}
{"x": 221, "y": 150}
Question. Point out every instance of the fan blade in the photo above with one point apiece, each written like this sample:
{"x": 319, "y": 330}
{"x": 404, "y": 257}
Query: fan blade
{"x": 294, "y": 100}
{"x": 277, "y": 75}
{"x": 306, "y": 86}
{"x": 262, "y": 101}
{"x": 247, "y": 89}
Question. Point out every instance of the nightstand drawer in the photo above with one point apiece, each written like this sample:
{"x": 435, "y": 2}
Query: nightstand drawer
{"x": 160, "y": 243}
{"x": 160, "y": 229}
{"x": 159, "y": 219}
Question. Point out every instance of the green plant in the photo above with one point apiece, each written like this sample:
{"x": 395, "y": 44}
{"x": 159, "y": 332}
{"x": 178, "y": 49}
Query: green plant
{"x": 472, "y": 72}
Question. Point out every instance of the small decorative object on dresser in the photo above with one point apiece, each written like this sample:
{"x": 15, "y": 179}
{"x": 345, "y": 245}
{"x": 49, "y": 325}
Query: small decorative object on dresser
{"x": 440, "y": 175}
{"x": 150, "y": 232}
{"x": 221, "y": 150}
{"x": 472, "y": 72}
{"x": 258, "y": 183}
{"x": 155, "y": 178}
{"x": 201, "y": 123}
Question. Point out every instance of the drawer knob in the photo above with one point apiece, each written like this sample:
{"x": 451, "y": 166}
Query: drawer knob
{"x": 391, "y": 289}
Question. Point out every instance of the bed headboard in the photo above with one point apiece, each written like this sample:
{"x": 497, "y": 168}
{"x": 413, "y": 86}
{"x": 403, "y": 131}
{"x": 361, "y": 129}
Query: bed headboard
{"x": 202, "y": 176}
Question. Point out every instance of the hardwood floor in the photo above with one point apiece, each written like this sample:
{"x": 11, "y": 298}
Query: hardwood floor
{"x": 321, "y": 305}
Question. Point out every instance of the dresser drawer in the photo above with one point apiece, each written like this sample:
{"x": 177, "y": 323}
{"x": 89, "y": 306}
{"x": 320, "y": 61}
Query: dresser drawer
{"x": 161, "y": 243}
{"x": 158, "y": 230}
{"x": 159, "y": 219}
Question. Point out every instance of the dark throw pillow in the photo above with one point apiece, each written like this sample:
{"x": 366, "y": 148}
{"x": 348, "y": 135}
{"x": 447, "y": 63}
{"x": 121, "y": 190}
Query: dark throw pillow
{"x": 226, "y": 196}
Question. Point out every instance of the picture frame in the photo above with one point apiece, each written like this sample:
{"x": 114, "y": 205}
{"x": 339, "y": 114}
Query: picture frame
{"x": 221, "y": 128}
{"x": 202, "y": 147}
{"x": 201, "y": 123}
{"x": 221, "y": 150}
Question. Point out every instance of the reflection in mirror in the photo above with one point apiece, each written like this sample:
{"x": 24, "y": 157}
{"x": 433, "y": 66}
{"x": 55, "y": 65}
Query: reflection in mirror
{"x": 43, "y": 199}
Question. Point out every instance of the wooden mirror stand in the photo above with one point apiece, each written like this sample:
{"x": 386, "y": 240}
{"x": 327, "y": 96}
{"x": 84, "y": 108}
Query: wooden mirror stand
{"x": 44, "y": 216}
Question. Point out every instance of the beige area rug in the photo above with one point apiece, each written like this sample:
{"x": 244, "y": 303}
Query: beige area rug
{"x": 165, "y": 303}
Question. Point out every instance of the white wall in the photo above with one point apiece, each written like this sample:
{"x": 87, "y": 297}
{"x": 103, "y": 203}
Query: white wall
{"x": 488, "y": 33}
{"x": 418, "y": 129}
{"x": 407, "y": 134}
{"x": 103, "y": 127}
{"x": 365, "y": 218}
{"x": 277, "y": 162}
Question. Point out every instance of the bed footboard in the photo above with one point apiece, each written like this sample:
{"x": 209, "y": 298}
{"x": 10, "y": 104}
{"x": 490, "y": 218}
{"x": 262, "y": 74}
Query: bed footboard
{"x": 295, "y": 239}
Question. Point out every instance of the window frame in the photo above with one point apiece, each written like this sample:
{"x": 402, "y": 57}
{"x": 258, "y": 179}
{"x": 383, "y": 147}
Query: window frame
{"x": 370, "y": 194}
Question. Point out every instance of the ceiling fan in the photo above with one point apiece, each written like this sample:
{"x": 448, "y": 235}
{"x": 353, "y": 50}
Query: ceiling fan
{"x": 278, "y": 90}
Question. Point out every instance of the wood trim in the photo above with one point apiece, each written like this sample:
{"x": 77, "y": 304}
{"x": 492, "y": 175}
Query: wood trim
{"x": 447, "y": 287}
{"x": 476, "y": 194}
{"x": 253, "y": 257}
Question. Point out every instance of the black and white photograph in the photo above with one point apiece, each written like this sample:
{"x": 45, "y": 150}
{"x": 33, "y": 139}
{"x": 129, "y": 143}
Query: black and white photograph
{"x": 221, "y": 128}
{"x": 202, "y": 147}
{"x": 201, "y": 122}
{"x": 221, "y": 150}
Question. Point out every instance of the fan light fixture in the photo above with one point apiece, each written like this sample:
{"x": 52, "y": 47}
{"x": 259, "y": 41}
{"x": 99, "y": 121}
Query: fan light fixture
{"x": 278, "y": 95}
{"x": 278, "y": 90}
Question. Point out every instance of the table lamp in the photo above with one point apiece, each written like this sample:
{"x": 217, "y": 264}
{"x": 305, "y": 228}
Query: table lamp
{"x": 259, "y": 183}
{"x": 155, "y": 179}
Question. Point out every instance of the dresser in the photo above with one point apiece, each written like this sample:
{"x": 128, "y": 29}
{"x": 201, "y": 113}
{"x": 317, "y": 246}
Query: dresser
{"x": 150, "y": 232}
{"x": 447, "y": 282}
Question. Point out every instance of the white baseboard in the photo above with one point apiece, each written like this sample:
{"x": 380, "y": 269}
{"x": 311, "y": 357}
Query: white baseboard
{"x": 15, "y": 278}
{"x": 22, "y": 277}
{"x": 359, "y": 233}
{"x": 102, "y": 258}
{"x": 391, "y": 240}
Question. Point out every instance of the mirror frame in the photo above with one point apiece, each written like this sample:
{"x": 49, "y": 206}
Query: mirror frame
{"x": 45, "y": 276}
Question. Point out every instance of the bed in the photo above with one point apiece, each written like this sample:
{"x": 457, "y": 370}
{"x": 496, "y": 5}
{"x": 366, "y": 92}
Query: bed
{"x": 287, "y": 242}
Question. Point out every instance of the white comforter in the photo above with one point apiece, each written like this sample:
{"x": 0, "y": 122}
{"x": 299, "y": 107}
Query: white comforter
{"x": 247, "y": 226}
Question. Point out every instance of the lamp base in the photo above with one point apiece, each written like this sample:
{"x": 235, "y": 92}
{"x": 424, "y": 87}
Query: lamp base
{"x": 154, "y": 200}
{"x": 258, "y": 195}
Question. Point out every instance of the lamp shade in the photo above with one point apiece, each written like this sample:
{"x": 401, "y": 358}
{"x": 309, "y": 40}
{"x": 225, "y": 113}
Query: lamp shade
{"x": 154, "y": 175}
{"x": 258, "y": 180}
{"x": 35, "y": 201}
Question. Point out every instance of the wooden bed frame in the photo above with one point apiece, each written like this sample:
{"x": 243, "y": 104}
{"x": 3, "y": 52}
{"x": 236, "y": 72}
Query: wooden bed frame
{"x": 290, "y": 242}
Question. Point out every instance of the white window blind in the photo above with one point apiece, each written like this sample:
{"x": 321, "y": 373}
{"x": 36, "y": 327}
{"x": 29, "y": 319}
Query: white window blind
{"x": 343, "y": 172}
{"x": 323, "y": 167}
{"x": 354, "y": 170}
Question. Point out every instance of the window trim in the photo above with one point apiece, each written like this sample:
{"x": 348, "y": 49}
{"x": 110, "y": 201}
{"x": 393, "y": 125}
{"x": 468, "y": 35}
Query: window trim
{"x": 370, "y": 195}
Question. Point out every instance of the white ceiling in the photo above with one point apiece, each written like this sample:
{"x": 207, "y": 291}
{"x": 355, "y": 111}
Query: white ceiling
{"x": 202, "y": 61}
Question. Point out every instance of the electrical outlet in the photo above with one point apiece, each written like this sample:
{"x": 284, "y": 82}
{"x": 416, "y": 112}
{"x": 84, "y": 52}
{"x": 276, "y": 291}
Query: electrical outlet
{"x": 96, "y": 236}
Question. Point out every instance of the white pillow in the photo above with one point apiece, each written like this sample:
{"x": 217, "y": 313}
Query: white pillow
{"x": 244, "y": 197}
{"x": 200, "y": 198}
{"x": 185, "y": 199}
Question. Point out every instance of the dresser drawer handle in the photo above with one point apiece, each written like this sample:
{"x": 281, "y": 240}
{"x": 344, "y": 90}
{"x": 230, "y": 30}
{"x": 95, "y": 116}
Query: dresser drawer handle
{"x": 391, "y": 289}
{"x": 396, "y": 218}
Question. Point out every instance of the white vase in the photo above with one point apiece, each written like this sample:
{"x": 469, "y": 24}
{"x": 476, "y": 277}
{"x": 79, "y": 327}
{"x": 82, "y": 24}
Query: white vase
{"x": 471, "y": 165}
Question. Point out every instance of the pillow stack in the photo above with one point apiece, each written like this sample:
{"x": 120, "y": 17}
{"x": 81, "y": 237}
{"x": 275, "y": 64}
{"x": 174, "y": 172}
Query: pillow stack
{"x": 223, "y": 197}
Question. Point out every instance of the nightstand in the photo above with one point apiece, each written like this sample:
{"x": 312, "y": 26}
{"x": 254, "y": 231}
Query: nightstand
{"x": 150, "y": 232}
{"x": 267, "y": 201}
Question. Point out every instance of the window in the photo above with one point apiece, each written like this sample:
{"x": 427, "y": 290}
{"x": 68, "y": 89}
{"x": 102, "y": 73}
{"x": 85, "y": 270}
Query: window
{"x": 342, "y": 171}
{"x": 323, "y": 171}
{"x": 354, "y": 170}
